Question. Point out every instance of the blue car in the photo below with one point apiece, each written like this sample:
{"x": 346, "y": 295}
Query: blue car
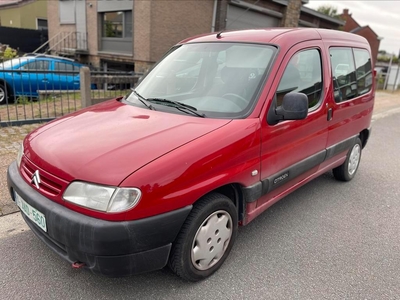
{"x": 27, "y": 75}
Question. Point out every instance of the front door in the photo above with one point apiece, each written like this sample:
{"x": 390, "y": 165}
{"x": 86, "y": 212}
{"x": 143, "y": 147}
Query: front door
{"x": 291, "y": 151}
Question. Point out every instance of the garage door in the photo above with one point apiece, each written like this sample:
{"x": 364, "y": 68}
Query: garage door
{"x": 239, "y": 18}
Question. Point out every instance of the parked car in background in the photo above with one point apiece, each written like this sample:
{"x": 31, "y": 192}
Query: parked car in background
{"x": 25, "y": 76}
{"x": 223, "y": 127}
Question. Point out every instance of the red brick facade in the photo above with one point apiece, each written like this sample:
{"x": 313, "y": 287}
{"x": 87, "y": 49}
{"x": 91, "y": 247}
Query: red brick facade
{"x": 352, "y": 26}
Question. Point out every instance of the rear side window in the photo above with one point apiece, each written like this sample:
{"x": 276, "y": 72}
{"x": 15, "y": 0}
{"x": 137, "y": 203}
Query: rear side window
{"x": 66, "y": 67}
{"x": 351, "y": 73}
{"x": 363, "y": 71}
{"x": 303, "y": 74}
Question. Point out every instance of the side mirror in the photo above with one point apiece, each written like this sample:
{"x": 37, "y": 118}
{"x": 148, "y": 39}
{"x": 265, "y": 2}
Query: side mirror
{"x": 294, "y": 107}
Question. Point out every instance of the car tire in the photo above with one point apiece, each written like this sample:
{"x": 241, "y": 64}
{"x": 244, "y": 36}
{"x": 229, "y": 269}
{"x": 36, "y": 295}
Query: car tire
{"x": 4, "y": 94}
{"x": 348, "y": 169}
{"x": 206, "y": 238}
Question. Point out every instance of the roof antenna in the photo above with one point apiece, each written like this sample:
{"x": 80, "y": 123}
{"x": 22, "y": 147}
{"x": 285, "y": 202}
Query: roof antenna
{"x": 219, "y": 34}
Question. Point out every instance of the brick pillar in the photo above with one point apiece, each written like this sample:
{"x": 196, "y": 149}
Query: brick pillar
{"x": 292, "y": 14}
{"x": 222, "y": 10}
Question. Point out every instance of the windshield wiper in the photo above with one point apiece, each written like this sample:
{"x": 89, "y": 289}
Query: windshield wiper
{"x": 143, "y": 100}
{"x": 178, "y": 105}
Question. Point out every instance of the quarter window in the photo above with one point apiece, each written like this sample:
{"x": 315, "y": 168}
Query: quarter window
{"x": 65, "y": 67}
{"x": 303, "y": 74}
{"x": 363, "y": 71}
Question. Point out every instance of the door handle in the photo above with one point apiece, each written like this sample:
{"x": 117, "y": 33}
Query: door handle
{"x": 329, "y": 114}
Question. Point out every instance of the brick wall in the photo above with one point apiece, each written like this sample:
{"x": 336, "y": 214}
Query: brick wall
{"x": 160, "y": 24}
{"x": 141, "y": 30}
{"x": 53, "y": 21}
{"x": 175, "y": 20}
{"x": 350, "y": 22}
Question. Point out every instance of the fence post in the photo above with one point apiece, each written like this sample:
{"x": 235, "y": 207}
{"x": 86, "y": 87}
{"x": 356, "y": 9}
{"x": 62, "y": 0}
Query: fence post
{"x": 85, "y": 87}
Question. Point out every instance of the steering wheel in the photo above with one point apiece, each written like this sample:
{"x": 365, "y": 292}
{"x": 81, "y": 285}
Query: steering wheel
{"x": 237, "y": 99}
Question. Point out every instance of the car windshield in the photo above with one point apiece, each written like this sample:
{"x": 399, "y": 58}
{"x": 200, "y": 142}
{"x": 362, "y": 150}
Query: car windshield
{"x": 217, "y": 79}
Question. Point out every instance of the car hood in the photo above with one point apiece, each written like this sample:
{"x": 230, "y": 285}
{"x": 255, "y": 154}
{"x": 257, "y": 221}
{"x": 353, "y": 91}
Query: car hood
{"x": 106, "y": 143}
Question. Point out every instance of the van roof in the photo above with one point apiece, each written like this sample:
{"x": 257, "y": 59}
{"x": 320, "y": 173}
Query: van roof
{"x": 277, "y": 36}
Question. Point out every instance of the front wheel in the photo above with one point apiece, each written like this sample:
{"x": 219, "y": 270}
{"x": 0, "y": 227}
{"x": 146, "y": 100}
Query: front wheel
{"x": 206, "y": 238}
{"x": 3, "y": 94}
{"x": 348, "y": 169}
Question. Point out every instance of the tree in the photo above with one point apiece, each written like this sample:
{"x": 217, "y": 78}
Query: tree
{"x": 7, "y": 53}
{"x": 329, "y": 11}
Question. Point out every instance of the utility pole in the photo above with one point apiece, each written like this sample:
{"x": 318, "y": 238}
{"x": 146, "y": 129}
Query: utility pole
{"x": 388, "y": 73}
{"x": 395, "y": 80}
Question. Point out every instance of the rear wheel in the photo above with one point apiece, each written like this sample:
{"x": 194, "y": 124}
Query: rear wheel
{"x": 348, "y": 169}
{"x": 206, "y": 238}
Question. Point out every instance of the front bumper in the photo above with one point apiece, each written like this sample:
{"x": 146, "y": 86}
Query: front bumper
{"x": 110, "y": 248}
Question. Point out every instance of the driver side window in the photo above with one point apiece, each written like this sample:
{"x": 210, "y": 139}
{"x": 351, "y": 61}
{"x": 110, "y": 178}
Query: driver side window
{"x": 303, "y": 74}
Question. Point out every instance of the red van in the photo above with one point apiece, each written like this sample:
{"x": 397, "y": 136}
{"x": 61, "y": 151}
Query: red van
{"x": 219, "y": 130}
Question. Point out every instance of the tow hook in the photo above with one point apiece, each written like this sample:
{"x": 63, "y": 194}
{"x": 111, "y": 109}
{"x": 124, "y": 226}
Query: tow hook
{"x": 78, "y": 265}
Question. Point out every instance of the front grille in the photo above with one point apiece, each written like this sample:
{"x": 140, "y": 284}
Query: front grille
{"x": 49, "y": 186}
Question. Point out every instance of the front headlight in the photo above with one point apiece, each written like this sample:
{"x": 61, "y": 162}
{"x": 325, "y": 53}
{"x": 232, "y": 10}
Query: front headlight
{"x": 102, "y": 198}
{"x": 20, "y": 154}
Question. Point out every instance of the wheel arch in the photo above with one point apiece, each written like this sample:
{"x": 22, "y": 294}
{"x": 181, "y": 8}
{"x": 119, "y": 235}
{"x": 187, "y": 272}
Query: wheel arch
{"x": 364, "y": 135}
{"x": 233, "y": 192}
{"x": 7, "y": 86}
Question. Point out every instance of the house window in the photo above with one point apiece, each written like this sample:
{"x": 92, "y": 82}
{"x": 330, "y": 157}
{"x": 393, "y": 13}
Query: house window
{"x": 117, "y": 24}
{"x": 67, "y": 11}
{"x": 41, "y": 24}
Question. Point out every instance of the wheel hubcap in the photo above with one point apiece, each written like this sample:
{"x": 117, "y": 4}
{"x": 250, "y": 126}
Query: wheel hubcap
{"x": 211, "y": 240}
{"x": 2, "y": 95}
{"x": 354, "y": 159}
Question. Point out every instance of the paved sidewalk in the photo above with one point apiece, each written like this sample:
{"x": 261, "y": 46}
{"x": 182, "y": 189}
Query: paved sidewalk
{"x": 11, "y": 137}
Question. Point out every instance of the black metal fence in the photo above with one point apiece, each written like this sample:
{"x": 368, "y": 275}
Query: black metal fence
{"x": 39, "y": 89}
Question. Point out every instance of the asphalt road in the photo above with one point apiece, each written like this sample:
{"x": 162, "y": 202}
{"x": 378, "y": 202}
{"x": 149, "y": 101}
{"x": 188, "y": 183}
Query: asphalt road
{"x": 327, "y": 240}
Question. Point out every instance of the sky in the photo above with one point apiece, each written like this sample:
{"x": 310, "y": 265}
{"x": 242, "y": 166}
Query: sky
{"x": 383, "y": 17}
